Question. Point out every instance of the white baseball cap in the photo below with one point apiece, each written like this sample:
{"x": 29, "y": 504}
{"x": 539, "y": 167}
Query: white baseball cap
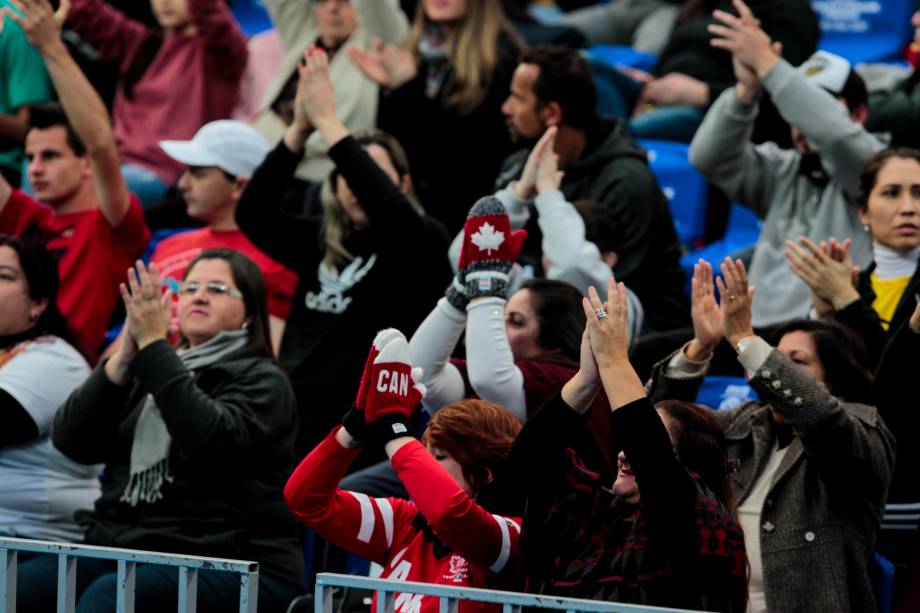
{"x": 827, "y": 70}
{"x": 232, "y": 146}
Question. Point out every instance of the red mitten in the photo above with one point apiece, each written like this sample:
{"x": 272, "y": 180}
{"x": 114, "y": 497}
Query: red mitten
{"x": 489, "y": 249}
{"x": 388, "y": 386}
{"x": 383, "y": 337}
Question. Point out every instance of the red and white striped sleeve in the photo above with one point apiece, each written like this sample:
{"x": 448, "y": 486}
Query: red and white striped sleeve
{"x": 355, "y": 522}
{"x": 486, "y": 540}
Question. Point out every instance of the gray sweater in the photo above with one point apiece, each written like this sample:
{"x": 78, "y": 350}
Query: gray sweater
{"x": 766, "y": 179}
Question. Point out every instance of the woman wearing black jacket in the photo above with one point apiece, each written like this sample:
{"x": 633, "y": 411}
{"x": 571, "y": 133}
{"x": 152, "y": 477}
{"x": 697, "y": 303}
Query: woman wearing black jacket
{"x": 373, "y": 260}
{"x": 886, "y": 293}
{"x": 664, "y": 533}
{"x": 197, "y": 445}
{"x": 441, "y": 97}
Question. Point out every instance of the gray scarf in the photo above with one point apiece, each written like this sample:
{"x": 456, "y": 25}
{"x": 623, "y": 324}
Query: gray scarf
{"x": 150, "y": 448}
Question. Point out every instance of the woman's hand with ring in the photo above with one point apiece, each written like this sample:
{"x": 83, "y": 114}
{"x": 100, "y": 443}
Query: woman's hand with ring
{"x": 608, "y": 334}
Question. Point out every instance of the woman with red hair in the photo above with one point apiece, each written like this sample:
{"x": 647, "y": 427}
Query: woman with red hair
{"x": 447, "y": 533}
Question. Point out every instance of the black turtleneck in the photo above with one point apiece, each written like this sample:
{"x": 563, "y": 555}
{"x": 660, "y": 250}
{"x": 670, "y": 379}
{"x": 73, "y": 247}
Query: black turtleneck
{"x": 18, "y": 426}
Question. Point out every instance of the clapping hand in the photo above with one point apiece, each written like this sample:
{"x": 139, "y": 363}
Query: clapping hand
{"x": 387, "y": 65}
{"x": 41, "y": 24}
{"x": 753, "y": 53}
{"x": 827, "y": 270}
{"x": 526, "y": 187}
{"x": 607, "y": 327}
{"x": 736, "y": 298}
{"x": 315, "y": 92}
{"x": 708, "y": 329}
{"x": 389, "y": 392}
{"x": 148, "y": 309}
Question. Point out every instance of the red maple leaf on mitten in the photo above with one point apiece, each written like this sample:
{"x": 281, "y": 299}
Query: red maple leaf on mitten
{"x": 389, "y": 384}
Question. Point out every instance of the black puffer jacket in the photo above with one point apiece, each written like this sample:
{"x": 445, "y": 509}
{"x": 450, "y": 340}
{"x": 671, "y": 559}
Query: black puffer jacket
{"x": 614, "y": 172}
{"x": 232, "y": 427}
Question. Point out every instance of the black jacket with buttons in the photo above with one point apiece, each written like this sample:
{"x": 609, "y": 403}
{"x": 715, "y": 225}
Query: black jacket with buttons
{"x": 822, "y": 514}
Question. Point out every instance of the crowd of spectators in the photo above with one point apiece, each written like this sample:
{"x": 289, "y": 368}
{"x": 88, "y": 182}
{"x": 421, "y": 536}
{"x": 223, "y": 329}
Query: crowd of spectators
{"x": 428, "y": 180}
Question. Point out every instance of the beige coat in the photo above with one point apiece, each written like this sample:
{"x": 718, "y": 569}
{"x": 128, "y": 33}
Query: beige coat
{"x": 355, "y": 95}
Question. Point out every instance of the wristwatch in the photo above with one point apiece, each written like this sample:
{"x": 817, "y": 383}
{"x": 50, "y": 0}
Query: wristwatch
{"x": 743, "y": 343}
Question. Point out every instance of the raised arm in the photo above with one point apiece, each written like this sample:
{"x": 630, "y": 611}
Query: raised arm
{"x": 387, "y": 208}
{"x": 383, "y": 19}
{"x": 224, "y": 39}
{"x": 484, "y": 539}
{"x": 852, "y": 443}
{"x": 6, "y": 190}
{"x": 844, "y": 144}
{"x": 82, "y": 105}
{"x": 341, "y": 517}
{"x": 431, "y": 347}
{"x": 680, "y": 375}
{"x": 113, "y": 35}
{"x": 25, "y": 80}
{"x": 667, "y": 491}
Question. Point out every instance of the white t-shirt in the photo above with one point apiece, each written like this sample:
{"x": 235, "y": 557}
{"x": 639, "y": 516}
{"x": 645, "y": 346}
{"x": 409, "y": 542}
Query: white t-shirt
{"x": 40, "y": 488}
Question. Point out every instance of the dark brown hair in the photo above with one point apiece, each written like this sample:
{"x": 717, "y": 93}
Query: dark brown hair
{"x": 248, "y": 279}
{"x": 40, "y": 270}
{"x": 842, "y": 354}
{"x": 700, "y": 445}
{"x": 873, "y": 167}
{"x": 565, "y": 78}
{"x": 560, "y": 316}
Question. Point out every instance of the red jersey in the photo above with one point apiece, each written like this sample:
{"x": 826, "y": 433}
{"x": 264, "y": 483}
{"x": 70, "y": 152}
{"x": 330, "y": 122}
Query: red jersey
{"x": 93, "y": 257}
{"x": 384, "y": 530}
{"x": 173, "y": 255}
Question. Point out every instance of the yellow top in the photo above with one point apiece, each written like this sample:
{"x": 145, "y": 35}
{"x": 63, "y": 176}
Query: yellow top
{"x": 888, "y": 294}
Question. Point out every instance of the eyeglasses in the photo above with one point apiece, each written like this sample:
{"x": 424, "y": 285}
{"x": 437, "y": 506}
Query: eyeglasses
{"x": 212, "y": 288}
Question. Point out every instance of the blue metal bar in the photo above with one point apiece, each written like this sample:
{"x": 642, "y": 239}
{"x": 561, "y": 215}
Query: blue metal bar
{"x": 188, "y": 590}
{"x": 507, "y": 599}
{"x": 127, "y": 559}
{"x": 8, "y": 561}
{"x": 124, "y": 587}
{"x": 249, "y": 591}
{"x": 66, "y": 583}
{"x": 129, "y": 555}
{"x": 447, "y": 605}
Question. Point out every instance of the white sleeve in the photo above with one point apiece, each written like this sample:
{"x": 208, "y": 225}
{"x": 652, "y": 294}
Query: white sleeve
{"x": 489, "y": 361}
{"x": 40, "y": 375}
{"x": 431, "y": 346}
{"x": 574, "y": 259}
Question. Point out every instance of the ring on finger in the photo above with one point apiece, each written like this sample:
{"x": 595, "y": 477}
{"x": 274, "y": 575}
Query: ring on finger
{"x": 601, "y": 313}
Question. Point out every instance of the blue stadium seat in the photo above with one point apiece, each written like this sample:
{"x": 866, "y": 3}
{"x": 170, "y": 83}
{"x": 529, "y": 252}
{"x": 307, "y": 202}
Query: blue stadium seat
{"x": 252, "y": 16}
{"x": 621, "y": 55}
{"x": 865, "y": 31}
{"x": 882, "y": 572}
{"x": 725, "y": 392}
{"x": 685, "y": 188}
{"x": 742, "y": 233}
{"x": 156, "y": 237}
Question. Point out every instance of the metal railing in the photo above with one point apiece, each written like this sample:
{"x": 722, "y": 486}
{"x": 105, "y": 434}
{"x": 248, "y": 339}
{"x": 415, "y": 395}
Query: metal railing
{"x": 449, "y": 596}
{"x": 127, "y": 559}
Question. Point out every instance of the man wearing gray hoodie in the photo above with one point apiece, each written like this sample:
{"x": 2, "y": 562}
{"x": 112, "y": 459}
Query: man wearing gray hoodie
{"x": 806, "y": 191}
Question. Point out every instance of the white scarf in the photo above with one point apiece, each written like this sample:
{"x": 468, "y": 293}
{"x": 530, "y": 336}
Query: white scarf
{"x": 150, "y": 448}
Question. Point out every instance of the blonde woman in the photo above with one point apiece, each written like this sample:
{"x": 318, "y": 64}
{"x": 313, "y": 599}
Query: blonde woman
{"x": 442, "y": 96}
{"x": 373, "y": 260}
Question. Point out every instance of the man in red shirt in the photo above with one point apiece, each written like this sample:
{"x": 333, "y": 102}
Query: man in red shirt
{"x": 89, "y": 219}
{"x": 220, "y": 159}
